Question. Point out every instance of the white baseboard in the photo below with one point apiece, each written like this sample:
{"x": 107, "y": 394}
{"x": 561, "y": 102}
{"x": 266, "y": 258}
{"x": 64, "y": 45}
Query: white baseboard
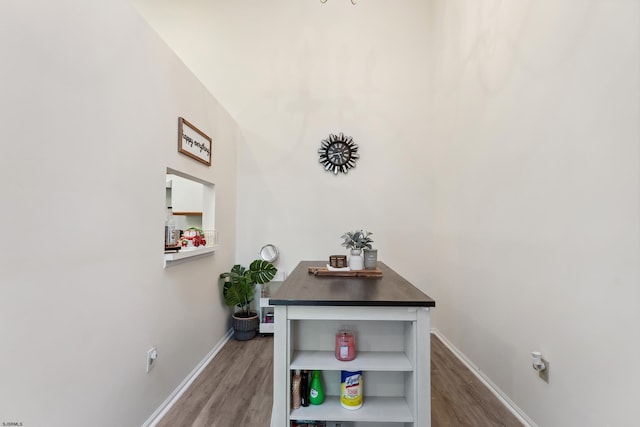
{"x": 173, "y": 397}
{"x": 502, "y": 397}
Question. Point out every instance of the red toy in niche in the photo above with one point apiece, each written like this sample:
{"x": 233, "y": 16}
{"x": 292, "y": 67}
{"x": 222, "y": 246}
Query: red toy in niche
{"x": 192, "y": 237}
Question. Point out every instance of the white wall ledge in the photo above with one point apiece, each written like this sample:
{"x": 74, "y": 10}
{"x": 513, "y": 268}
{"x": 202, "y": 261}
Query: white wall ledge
{"x": 186, "y": 253}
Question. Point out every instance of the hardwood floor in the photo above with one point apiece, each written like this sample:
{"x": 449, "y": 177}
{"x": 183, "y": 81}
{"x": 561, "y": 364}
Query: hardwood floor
{"x": 236, "y": 390}
{"x": 458, "y": 398}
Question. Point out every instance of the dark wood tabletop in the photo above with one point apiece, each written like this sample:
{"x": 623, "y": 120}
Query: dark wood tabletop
{"x": 391, "y": 290}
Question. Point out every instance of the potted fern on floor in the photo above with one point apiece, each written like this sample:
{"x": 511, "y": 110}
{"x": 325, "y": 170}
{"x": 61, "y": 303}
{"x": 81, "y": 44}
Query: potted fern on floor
{"x": 238, "y": 290}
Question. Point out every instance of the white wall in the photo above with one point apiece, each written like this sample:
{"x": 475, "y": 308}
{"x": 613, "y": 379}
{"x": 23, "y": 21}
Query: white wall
{"x": 291, "y": 73}
{"x": 89, "y": 112}
{"x": 499, "y": 167}
{"x": 536, "y": 220}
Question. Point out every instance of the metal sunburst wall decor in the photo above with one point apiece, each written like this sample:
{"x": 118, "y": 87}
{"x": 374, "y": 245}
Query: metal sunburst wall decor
{"x": 338, "y": 153}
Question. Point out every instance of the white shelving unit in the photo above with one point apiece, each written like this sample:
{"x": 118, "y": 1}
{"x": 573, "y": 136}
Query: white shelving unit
{"x": 377, "y": 410}
{"x": 392, "y": 345}
{"x": 266, "y": 311}
{"x": 367, "y": 360}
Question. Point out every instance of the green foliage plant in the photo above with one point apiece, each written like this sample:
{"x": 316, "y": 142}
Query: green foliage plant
{"x": 358, "y": 239}
{"x": 239, "y": 284}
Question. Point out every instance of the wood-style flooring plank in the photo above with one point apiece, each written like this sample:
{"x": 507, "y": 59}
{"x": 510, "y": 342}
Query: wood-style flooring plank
{"x": 459, "y": 398}
{"x": 236, "y": 389}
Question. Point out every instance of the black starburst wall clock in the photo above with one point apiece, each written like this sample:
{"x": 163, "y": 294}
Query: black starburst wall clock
{"x": 338, "y": 153}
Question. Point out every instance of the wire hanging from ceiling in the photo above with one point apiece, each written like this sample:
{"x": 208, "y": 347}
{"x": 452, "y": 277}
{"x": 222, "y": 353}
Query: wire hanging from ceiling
{"x": 324, "y": 1}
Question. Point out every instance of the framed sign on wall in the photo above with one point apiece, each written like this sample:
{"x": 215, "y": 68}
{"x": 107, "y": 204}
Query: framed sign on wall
{"x": 193, "y": 142}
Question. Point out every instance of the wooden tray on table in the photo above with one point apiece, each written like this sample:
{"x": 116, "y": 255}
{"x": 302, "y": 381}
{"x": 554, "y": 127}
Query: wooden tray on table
{"x": 324, "y": 271}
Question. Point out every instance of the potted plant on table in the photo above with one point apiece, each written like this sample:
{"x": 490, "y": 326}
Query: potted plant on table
{"x": 356, "y": 241}
{"x": 238, "y": 290}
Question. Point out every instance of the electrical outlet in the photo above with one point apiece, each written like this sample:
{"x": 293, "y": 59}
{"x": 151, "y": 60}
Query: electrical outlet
{"x": 544, "y": 374}
{"x": 152, "y": 355}
{"x": 541, "y": 365}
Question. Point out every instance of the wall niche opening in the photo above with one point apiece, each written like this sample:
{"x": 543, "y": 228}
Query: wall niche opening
{"x": 193, "y": 204}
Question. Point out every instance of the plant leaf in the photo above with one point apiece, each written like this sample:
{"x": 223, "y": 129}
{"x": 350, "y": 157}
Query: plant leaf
{"x": 262, "y": 271}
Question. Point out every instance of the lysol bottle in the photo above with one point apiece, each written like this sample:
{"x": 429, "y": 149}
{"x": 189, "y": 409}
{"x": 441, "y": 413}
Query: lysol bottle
{"x": 351, "y": 389}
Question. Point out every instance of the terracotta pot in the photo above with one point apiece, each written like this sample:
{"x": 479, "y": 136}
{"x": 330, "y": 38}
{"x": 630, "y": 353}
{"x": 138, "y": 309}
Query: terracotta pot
{"x": 244, "y": 328}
